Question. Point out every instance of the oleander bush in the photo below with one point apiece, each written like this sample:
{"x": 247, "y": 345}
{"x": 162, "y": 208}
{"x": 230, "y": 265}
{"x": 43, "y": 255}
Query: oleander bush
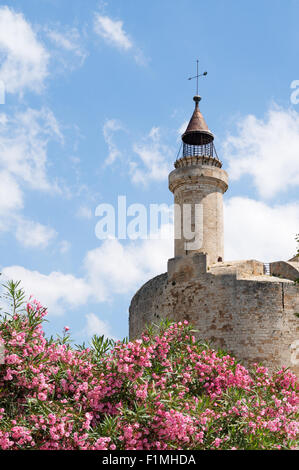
{"x": 166, "y": 390}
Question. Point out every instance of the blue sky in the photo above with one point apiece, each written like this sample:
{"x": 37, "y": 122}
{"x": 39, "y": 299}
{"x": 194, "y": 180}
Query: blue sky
{"x": 96, "y": 94}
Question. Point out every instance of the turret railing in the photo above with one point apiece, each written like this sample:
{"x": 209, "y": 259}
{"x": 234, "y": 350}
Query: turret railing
{"x": 197, "y": 155}
{"x": 207, "y": 150}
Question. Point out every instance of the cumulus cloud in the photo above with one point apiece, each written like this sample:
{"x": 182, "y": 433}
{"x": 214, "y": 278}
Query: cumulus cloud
{"x": 267, "y": 150}
{"x": 255, "y": 230}
{"x": 33, "y": 234}
{"x": 24, "y": 140}
{"x": 117, "y": 268}
{"x": 96, "y": 326}
{"x": 24, "y": 59}
{"x": 57, "y": 291}
{"x": 112, "y": 269}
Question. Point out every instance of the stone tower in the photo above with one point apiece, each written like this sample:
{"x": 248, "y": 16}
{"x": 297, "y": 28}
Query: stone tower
{"x": 244, "y": 307}
{"x": 198, "y": 183}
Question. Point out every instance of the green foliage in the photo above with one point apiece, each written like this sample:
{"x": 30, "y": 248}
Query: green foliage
{"x": 15, "y": 297}
{"x": 101, "y": 346}
{"x": 166, "y": 390}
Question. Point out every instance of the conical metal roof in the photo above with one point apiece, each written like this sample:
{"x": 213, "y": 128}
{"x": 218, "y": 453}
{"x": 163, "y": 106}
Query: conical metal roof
{"x": 197, "y": 132}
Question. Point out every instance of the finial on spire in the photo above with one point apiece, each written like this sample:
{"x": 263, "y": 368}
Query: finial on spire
{"x": 197, "y": 98}
{"x": 197, "y": 132}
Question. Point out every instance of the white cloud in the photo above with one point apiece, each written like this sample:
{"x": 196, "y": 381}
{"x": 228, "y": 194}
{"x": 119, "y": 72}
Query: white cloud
{"x": 110, "y": 127}
{"x": 151, "y": 157}
{"x": 33, "y": 234}
{"x": 57, "y": 291}
{"x": 67, "y": 41}
{"x": 111, "y": 269}
{"x": 115, "y": 268}
{"x": 112, "y": 31}
{"x": 24, "y": 140}
{"x": 24, "y": 60}
{"x": 23, "y": 146}
{"x": 255, "y": 230}
{"x": 96, "y": 326}
{"x": 11, "y": 197}
{"x": 267, "y": 150}
{"x": 154, "y": 159}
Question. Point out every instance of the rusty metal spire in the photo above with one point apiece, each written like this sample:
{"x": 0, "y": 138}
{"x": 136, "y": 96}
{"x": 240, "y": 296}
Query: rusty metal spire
{"x": 197, "y": 132}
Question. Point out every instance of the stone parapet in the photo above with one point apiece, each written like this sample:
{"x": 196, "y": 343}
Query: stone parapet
{"x": 285, "y": 269}
{"x": 198, "y": 175}
{"x": 201, "y": 160}
{"x": 254, "y": 319}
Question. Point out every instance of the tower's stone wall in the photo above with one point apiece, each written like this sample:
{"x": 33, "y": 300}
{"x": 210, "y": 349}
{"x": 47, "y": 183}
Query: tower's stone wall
{"x": 232, "y": 305}
{"x": 200, "y": 184}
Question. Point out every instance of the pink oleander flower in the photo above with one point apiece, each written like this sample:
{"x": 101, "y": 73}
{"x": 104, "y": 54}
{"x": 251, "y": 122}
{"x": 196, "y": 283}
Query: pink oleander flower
{"x": 163, "y": 391}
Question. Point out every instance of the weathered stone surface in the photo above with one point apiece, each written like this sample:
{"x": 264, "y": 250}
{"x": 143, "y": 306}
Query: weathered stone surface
{"x": 285, "y": 269}
{"x": 183, "y": 268}
{"x": 204, "y": 185}
{"x": 252, "y": 316}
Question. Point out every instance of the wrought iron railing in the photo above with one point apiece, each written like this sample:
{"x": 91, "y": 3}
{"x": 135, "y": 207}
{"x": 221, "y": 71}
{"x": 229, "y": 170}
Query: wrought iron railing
{"x": 207, "y": 150}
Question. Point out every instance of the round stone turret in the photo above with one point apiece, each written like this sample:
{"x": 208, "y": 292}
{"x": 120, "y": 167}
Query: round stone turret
{"x": 198, "y": 183}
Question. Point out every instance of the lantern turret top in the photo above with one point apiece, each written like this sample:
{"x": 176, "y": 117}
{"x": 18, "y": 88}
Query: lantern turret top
{"x": 198, "y": 140}
{"x": 197, "y": 132}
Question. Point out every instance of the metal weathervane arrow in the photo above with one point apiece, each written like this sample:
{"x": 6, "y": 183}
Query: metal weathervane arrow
{"x": 197, "y": 76}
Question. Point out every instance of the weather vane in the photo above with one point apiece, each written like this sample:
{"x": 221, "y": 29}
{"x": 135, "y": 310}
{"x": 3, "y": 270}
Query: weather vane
{"x": 197, "y": 77}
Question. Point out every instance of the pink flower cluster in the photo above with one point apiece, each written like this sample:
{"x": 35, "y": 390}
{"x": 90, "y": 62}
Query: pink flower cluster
{"x": 163, "y": 391}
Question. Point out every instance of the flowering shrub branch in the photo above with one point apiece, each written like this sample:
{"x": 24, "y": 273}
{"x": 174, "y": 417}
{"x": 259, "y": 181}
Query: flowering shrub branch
{"x": 166, "y": 390}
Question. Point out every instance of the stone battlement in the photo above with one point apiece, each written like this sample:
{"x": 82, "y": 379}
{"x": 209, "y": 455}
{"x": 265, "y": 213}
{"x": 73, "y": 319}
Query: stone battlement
{"x": 193, "y": 266}
{"x": 197, "y": 160}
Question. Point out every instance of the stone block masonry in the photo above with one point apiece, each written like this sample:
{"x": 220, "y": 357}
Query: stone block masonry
{"x": 232, "y": 306}
{"x": 204, "y": 185}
